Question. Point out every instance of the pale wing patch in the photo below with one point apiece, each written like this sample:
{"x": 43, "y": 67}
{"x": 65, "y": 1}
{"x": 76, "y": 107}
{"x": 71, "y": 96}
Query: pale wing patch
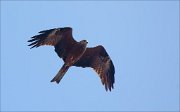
{"x": 52, "y": 39}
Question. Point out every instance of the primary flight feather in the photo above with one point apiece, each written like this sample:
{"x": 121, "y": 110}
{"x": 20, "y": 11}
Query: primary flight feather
{"x": 76, "y": 54}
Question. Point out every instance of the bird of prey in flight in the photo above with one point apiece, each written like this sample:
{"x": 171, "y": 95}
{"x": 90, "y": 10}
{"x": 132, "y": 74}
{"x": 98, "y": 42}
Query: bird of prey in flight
{"x": 76, "y": 54}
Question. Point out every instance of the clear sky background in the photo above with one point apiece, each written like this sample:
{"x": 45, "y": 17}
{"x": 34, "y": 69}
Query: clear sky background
{"x": 141, "y": 37}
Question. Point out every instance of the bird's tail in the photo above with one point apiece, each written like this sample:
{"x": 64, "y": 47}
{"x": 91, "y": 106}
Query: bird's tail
{"x": 60, "y": 74}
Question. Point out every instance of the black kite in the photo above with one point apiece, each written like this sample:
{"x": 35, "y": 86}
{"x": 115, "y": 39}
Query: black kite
{"x": 76, "y": 53}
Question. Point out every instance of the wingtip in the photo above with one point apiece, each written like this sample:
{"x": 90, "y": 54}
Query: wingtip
{"x": 32, "y": 46}
{"x": 108, "y": 89}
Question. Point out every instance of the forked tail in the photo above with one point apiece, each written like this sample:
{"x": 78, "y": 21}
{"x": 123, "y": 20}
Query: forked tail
{"x": 60, "y": 74}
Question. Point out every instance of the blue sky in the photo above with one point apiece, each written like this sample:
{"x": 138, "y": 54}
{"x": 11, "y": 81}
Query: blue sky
{"x": 141, "y": 37}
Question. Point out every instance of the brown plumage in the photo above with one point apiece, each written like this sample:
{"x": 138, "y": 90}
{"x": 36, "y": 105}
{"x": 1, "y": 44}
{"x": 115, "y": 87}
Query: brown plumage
{"x": 76, "y": 54}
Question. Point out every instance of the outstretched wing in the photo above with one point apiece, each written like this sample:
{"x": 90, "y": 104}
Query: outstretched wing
{"x": 60, "y": 38}
{"x": 52, "y": 37}
{"x": 99, "y": 60}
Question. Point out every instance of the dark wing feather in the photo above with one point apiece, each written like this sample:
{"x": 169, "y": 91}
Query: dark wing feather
{"x": 99, "y": 60}
{"x": 60, "y": 38}
{"x": 51, "y": 37}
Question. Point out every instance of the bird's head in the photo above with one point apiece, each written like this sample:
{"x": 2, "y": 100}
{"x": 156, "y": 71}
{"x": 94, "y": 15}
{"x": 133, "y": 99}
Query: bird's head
{"x": 84, "y": 42}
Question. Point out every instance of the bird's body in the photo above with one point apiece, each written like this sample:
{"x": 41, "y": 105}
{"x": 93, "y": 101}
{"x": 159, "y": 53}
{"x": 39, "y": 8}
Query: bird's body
{"x": 71, "y": 58}
{"x": 76, "y": 54}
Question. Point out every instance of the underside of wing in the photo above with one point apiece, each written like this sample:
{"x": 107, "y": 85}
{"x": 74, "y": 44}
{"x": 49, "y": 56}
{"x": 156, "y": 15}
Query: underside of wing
{"x": 60, "y": 38}
{"x": 51, "y": 37}
{"x": 105, "y": 70}
{"x": 99, "y": 60}
{"x": 86, "y": 59}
